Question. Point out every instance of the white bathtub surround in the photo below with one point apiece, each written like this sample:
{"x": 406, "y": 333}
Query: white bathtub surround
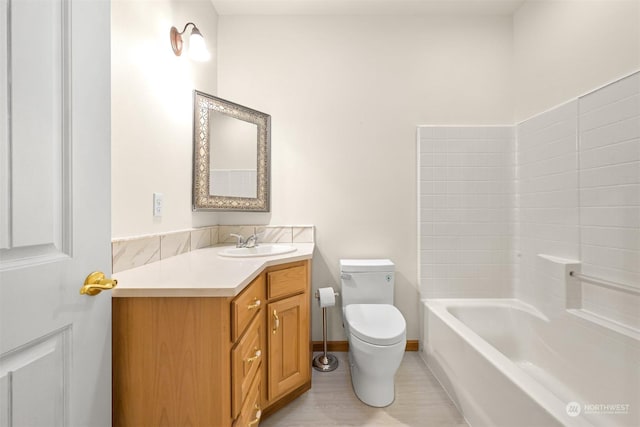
{"x": 466, "y": 210}
{"x": 548, "y": 213}
{"x": 134, "y": 252}
{"x": 579, "y": 198}
{"x": 563, "y": 344}
{"x": 555, "y": 273}
{"x": 609, "y": 186}
{"x": 536, "y": 368}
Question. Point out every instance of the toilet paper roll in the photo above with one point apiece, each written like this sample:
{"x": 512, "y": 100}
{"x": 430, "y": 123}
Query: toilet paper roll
{"x": 327, "y": 297}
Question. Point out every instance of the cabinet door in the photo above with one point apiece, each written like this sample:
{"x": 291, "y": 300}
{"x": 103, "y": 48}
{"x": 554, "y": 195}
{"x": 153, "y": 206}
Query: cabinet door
{"x": 289, "y": 364}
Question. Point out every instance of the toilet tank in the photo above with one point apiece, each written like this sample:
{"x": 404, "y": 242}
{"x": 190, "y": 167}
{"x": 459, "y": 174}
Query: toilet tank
{"x": 367, "y": 281}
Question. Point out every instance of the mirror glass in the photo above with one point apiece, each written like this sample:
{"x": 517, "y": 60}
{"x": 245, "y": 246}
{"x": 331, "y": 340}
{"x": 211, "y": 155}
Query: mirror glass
{"x": 231, "y": 156}
{"x": 232, "y": 162}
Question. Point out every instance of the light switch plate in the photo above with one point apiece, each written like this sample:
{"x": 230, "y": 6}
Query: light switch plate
{"x": 158, "y": 204}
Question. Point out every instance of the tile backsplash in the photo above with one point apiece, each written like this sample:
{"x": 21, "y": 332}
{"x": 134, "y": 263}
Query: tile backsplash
{"x": 134, "y": 252}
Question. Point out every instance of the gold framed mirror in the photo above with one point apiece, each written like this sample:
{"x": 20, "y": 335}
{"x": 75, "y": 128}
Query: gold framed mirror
{"x": 231, "y": 155}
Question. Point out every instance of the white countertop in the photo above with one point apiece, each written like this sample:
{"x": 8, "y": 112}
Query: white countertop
{"x": 200, "y": 273}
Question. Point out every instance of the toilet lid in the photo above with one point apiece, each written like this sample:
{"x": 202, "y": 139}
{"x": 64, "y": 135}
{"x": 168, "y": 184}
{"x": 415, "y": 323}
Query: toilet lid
{"x": 379, "y": 324}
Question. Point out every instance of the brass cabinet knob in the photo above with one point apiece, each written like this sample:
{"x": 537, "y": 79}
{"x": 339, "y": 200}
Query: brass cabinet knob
{"x": 256, "y": 304}
{"x": 256, "y": 420}
{"x": 257, "y": 354}
{"x": 97, "y": 282}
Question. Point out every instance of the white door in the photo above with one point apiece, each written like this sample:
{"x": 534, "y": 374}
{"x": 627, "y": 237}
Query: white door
{"x": 55, "y": 344}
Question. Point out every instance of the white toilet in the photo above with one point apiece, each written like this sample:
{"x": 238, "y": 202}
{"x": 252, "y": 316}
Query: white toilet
{"x": 376, "y": 330}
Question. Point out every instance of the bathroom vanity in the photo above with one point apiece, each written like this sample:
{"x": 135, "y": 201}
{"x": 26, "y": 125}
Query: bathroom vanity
{"x": 203, "y": 340}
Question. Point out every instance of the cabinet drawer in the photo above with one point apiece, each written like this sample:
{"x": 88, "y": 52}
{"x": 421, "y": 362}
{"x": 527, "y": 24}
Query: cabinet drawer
{"x": 246, "y": 361}
{"x": 251, "y": 411}
{"x": 287, "y": 281}
{"x": 245, "y": 306}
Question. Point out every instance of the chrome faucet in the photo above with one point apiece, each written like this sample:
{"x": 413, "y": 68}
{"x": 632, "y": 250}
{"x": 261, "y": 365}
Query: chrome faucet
{"x": 249, "y": 242}
{"x": 241, "y": 243}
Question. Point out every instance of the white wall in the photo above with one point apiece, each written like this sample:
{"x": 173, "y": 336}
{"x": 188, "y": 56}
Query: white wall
{"x": 564, "y": 48}
{"x": 345, "y": 95}
{"x": 151, "y": 114}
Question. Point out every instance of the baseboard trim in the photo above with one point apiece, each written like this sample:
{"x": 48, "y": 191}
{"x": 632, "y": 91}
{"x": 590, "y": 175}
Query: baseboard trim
{"x": 412, "y": 345}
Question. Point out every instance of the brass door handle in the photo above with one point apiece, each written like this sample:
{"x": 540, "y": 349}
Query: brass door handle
{"x": 276, "y": 321}
{"x": 97, "y": 282}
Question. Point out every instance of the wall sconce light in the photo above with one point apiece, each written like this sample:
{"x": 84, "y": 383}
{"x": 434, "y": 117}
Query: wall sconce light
{"x": 197, "y": 48}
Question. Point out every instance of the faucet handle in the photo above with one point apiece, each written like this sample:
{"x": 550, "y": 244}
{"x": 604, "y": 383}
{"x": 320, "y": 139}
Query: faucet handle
{"x": 240, "y": 243}
{"x": 252, "y": 241}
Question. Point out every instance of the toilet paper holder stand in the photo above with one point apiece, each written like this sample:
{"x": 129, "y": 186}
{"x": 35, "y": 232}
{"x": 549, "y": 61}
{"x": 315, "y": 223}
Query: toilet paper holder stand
{"x": 325, "y": 362}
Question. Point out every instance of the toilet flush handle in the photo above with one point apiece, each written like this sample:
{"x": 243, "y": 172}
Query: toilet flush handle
{"x": 345, "y": 276}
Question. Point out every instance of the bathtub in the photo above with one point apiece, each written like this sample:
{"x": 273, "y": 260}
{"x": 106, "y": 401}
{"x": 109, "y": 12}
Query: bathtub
{"x": 503, "y": 363}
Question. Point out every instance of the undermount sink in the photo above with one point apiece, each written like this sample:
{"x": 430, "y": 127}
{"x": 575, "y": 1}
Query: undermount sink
{"x": 261, "y": 250}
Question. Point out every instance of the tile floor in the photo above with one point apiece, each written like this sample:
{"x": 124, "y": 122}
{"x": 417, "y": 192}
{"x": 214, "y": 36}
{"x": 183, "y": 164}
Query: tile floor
{"x": 420, "y": 401}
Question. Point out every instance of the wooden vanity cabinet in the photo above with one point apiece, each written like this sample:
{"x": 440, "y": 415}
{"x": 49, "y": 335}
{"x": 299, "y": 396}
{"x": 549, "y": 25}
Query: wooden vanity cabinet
{"x": 206, "y": 361}
{"x": 288, "y": 332}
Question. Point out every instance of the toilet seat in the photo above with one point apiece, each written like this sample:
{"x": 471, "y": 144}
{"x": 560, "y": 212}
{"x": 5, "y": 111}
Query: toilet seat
{"x": 379, "y": 324}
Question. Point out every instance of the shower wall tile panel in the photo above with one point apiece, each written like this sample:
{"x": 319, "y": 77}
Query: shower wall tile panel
{"x": 466, "y": 188}
{"x": 579, "y": 198}
{"x": 547, "y": 202}
{"x": 609, "y": 177}
{"x": 576, "y": 196}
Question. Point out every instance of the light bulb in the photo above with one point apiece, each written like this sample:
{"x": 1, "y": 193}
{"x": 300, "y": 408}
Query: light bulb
{"x": 197, "y": 48}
